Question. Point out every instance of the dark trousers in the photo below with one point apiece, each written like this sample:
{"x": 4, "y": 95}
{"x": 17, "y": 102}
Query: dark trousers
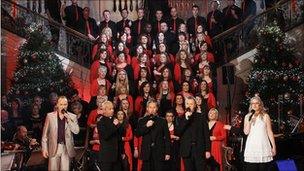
{"x": 111, "y": 166}
{"x": 153, "y": 164}
{"x": 194, "y": 162}
{"x": 269, "y": 166}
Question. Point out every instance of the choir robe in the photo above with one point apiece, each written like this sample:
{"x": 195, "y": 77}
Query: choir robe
{"x": 178, "y": 73}
{"x": 136, "y": 68}
{"x": 219, "y": 133}
{"x": 120, "y": 25}
{"x": 95, "y": 86}
{"x": 96, "y": 47}
{"x": 92, "y": 28}
{"x": 137, "y": 144}
{"x": 211, "y": 102}
{"x": 138, "y": 28}
{"x": 127, "y": 148}
{"x": 94, "y": 69}
{"x": 130, "y": 100}
{"x": 178, "y": 21}
{"x": 155, "y": 24}
{"x": 111, "y": 24}
{"x": 229, "y": 21}
{"x": 71, "y": 16}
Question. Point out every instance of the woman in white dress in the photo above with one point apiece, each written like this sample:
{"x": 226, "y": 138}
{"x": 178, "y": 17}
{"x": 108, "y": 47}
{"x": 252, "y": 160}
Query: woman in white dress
{"x": 260, "y": 145}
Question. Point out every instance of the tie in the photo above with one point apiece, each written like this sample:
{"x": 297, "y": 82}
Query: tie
{"x": 139, "y": 27}
{"x": 174, "y": 25}
{"x": 76, "y": 13}
{"x": 124, "y": 24}
{"x": 158, "y": 26}
{"x": 107, "y": 24}
{"x": 243, "y": 6}
{"x": 210, "y": 23}
{"x": 195, "y": 24}
{"x": 88, "y": 27}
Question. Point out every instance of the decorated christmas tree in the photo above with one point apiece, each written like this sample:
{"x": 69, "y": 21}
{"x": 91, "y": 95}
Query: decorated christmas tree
{"x": 277, "y": 76}
{"x": 39, "y": 71}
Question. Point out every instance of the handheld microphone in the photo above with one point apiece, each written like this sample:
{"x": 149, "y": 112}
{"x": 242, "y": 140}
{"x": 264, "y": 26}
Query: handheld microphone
{"x": 188, "y": 109}
{"x": 252, "y": 113}
{"x": 63, "y": 111}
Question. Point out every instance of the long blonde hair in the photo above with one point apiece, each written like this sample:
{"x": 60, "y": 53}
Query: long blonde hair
{"x": 125, "y": 83}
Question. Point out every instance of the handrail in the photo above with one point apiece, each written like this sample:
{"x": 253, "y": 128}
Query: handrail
{"x": 53, "y": 22}
{"x": 239, "y": 39}
{"x": 76, "y": 46}
{"x": 241, "y": 25}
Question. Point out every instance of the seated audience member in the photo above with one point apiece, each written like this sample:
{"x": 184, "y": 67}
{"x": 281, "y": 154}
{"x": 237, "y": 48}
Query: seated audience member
{"x": 6, "y": 126}
{"x": 35, "y": 122}
{"x": 15, "y": 112}
{"x": 75, "y": 97}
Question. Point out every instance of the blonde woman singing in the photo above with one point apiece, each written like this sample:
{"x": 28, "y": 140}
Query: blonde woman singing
{"x": 260, "y": 145}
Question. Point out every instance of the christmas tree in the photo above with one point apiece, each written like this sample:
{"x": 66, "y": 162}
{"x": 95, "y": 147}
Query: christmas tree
{"x": 39, "y": 71}
{"x": 277, "y": 76}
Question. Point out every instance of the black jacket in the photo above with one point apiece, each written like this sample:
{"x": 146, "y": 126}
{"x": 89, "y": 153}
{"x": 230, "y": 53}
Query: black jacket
{"x": 109, "y": 138}
{"x": 193, "y": 132}
{"x": 70, "y": 16}
{"x": 155, "y": 139}
{"x": 191, "y": 24}
{"x": 81, "y": 26}
{"x": 120, "y": 25}
{"x": 111, "y": 24}
{"x": 178, "y": 21}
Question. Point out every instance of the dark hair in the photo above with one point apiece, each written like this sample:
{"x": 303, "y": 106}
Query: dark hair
{"x": 148, "y": 73}
{"x": 195, "y": 6}
{"x": 141, "y": 89}
{"x": 207, "y": 87}
{"x": 105, "y": 12}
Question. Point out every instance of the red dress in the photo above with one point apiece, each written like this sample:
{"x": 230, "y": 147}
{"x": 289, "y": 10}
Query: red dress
{"x": 128, "y": 137}
{"x": 211, "y": 102}
{"x": 94, "y": 69}
{"x": 137, "y": 144}
{"x": 96, "y": 48}
{"x": 219, "y": 133}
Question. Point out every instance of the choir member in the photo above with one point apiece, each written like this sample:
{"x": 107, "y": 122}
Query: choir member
{"x": 174, "y": 21}
{"x": 139, "y": 24}
{"x": 214, "y": 19}
{"x": 108, "y": 23}
{"x": 195, "y": 20}
{"x": 208, "y": 99}
{"x": 87, "y": 25}
{"x": 72, "y": 14}
{"x": 232, "y": 15}
{"x": 125, "y": 22}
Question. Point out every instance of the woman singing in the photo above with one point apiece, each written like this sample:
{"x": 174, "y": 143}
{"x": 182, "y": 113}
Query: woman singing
{"x": 260, "y": 145}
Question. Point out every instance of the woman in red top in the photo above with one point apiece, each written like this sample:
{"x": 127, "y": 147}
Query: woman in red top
{"x": 166, "y": 75}
{"x": 103, "y": 60}
{"x": 144, "y": 76}
{"x": 123, "y": 93}
{"x": 217, "y": 136}
{"x": 125, "y": 107}
{"x": 165, "y": 98}
{"x": 208, "y": 99}
{"x": 162, "y": 48}
{"x": 102, "y": 40}
{"x": 179, "y": 105}
{"x": 126, "y": 37}
{"x": 121, "y": 48}
{"x": 100, "y": 81}
{"x": 122, "y": 64}
{"x": 182, "y": 62}
{"x": 145, "y": 94}
{"x": 127, "y": 136}
{"x": 203, "y": 49}
{"x": 206, "y": 75}
{"x": 186, "y": 92}
{"x": 162, "y": 62}
{"x": 142, "y": 61}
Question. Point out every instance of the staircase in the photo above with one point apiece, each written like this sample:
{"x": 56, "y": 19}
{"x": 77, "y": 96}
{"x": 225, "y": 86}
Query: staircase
{"x": 76, "y": 60}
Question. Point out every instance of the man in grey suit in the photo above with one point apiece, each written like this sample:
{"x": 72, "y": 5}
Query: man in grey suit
{"x": 57, "y": 138}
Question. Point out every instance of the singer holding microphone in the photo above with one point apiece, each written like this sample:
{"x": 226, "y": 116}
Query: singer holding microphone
{"x": 57, "y": 139}
{"x": 111, "y": 148}
{"x": 260, "y": 145}
{"x": 194, "y": 137}
{"x": 155, "y": 147}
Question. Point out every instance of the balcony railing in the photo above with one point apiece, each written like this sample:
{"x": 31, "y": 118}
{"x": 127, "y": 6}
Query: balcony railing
{"x": 70, "y": 43}
{"x": 240, "y": 39}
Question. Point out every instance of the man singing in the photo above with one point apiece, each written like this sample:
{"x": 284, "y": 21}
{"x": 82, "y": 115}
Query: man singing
{"x": 57, "y": 139}
{"x": 111, "y": 149}
{"x": 155, "y": 139}
{"x": 194, "y": 138}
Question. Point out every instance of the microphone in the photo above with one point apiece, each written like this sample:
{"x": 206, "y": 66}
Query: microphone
{"x": 63, "y": 111}
{"x": 188, "y": 109}
{"x": 252, "y": 113}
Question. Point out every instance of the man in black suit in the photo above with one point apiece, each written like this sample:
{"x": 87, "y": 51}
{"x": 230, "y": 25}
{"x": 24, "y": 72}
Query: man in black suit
{"x": 138, "y": 25}
{"x": 214, "y": 19}
{"x": 53, "y": 11}
{"x": 194, "y": 138}
{"x": 174, "y": 21}
{"x": 125, "y": 22}
{"x": 107, "y": 22}
{"x": 111, "y": 150}
{"x": 195, "y": 21}
{"x": 156, "y": 23}
{"x": 155, "y": 139}
{"x": 87, "y": 25}
{"x": 72, "y": 15}
{"x": 232, "y": 15}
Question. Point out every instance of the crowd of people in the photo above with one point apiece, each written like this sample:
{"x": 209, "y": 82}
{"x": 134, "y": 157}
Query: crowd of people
{"x": 153, "y": 93}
